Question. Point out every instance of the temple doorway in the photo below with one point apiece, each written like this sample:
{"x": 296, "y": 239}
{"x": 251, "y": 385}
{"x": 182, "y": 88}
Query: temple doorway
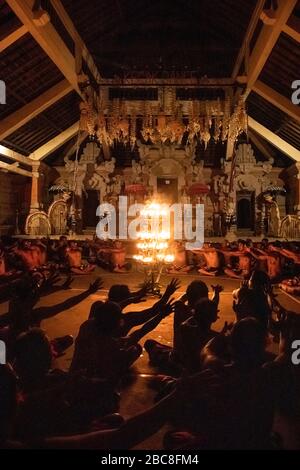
{"x": 245, "y": 210}
{"x": 167, "y": 189}
{"x": 89, "y": 208}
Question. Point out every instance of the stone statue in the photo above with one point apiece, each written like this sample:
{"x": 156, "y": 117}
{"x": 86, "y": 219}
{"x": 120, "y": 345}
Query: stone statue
{"x": 220, "y": 185}
{"x": 197, "y": 172}
{"x": 273, "y": 217}
{"x": 139, "y": 171}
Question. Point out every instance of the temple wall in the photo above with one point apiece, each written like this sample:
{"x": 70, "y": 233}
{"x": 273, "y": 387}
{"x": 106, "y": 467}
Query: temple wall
{"x": 251, "y": 179}
{"x": 12, "y": 198}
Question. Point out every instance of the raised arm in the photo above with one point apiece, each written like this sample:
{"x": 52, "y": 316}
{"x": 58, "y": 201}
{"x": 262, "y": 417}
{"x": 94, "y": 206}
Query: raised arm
{"x": 133, "y": 431}
{"x": 133, "y": 319}
{"x": 261, "y": 256}
{"x": 137, "y": 335}
{"x": 216, "y": 293}
{"x": 42, "y": 313}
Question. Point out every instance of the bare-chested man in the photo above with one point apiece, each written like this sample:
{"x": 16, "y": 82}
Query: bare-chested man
{"x": 273, "y": 259}
{"x": 180, "y": 264}
{"x": 243, "y": 268}
{"x": 212, "y": 260}
{"x": 27, "y": 254}
{"x": 2, "y": 264}
{"x": 74, "y": 257}
{"x": 287, "y": 253}
{"x": 39, "y": 253}
{"x": 118, "y": 258}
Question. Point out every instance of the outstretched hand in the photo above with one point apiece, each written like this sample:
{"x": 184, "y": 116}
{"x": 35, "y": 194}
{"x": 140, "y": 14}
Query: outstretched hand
{"x": 171, "y": 288}
{"x": 96, "y": 285}
{"x": 168, "y": 308}
{"x": 217, "y": 288}
{"x": 145, "y": 289}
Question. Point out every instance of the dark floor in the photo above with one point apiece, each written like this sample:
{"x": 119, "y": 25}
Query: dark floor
{"x": 137, "y": 395}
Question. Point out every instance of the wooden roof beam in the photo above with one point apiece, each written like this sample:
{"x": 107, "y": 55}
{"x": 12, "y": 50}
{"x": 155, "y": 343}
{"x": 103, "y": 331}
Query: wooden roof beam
{"x": 14, "y": 168}
{"x": 244, "y": 50}
{"x": 171, "y": 81}
{"x": 80, "y": 45}
{"x": 53, "y": 144}
{"x": 276, "y": 99}
{"x": 13, "y": 37}
{"x": 267, "y": 40}
{"x": 49, "y": 40}
{"x": 14, "y": 121}
{"x": 274, "y": 139}
{"x": 292, "y": 28}
{"x": 11, "y": 154}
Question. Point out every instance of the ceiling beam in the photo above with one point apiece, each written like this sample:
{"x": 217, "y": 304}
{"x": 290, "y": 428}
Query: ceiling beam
{"x": 292, "y": 28}
{"x": 274, "y": 139}
{"x": 176, "y": 81}
{"x": 6, "y": 152}
{"x": 53, "y": 144}
{"x": 267, "y": 40}
{"x": 278, "y": 100}
{"x": 70, "y": 27}
{"x": 244, "y": 50}
{"x": 14, "y": 121}
{"x": 49, "y": 40}
{"x": 14, "y": 168}
{"x": 12, "y": 37}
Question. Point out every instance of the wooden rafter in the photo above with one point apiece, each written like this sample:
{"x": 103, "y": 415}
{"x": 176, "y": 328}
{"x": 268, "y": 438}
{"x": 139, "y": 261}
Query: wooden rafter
{"x": 292, "y": 28}
{"x": 48, "y": 39}
{"x": 277, "y": 100}
{"x": 274, "y": 139}
{"x": 267, "y": 40}
{"x": 79, "y": 44}
{"x": 53, "y": 144}
{"x": 14, "y": 168}
{"x": 23, "y": 115}
{"x": 244, "y": 50}
{"x": 12, "y": 37}
{"x": 15, "y": 156}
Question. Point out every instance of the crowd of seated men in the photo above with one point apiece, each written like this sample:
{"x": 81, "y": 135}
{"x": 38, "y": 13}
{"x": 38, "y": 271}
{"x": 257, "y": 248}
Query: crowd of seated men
{"x": 44, "y": 255}
{"x": 201, "y": 361}
{"x": 215, "y": 389}
{"x": 280, "y": 260}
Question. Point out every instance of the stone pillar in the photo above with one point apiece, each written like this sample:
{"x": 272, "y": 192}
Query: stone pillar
{"x": 35, "y": 189}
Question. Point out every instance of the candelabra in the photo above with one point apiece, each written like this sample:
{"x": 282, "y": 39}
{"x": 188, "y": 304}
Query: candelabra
{"x": 153, "y": 246}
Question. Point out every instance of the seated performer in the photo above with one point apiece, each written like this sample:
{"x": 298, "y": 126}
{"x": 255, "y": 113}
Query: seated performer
{"x": 118, "y": 258}
{"x": 39, "y": 253}
{"x": 180, "y": 262}
{"x": 243, "y": 268}
{"x": 288, "y": 253}
{"x": 27, "y": 254}
{"x": 273, "y": 259}
{"x": 74, "y": 258}
{"x": 212, "y": 259}
{"x": 2, "y": 263}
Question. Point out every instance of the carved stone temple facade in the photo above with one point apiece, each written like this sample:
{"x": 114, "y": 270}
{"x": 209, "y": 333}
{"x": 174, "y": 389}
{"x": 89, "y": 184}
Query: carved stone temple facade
{"x": 172, "y": 174}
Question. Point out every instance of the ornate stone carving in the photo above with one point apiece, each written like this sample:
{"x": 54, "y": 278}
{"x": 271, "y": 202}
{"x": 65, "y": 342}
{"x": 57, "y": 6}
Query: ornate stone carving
{"x": 58, "y": 216}
{"x": 38, "y": 224}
